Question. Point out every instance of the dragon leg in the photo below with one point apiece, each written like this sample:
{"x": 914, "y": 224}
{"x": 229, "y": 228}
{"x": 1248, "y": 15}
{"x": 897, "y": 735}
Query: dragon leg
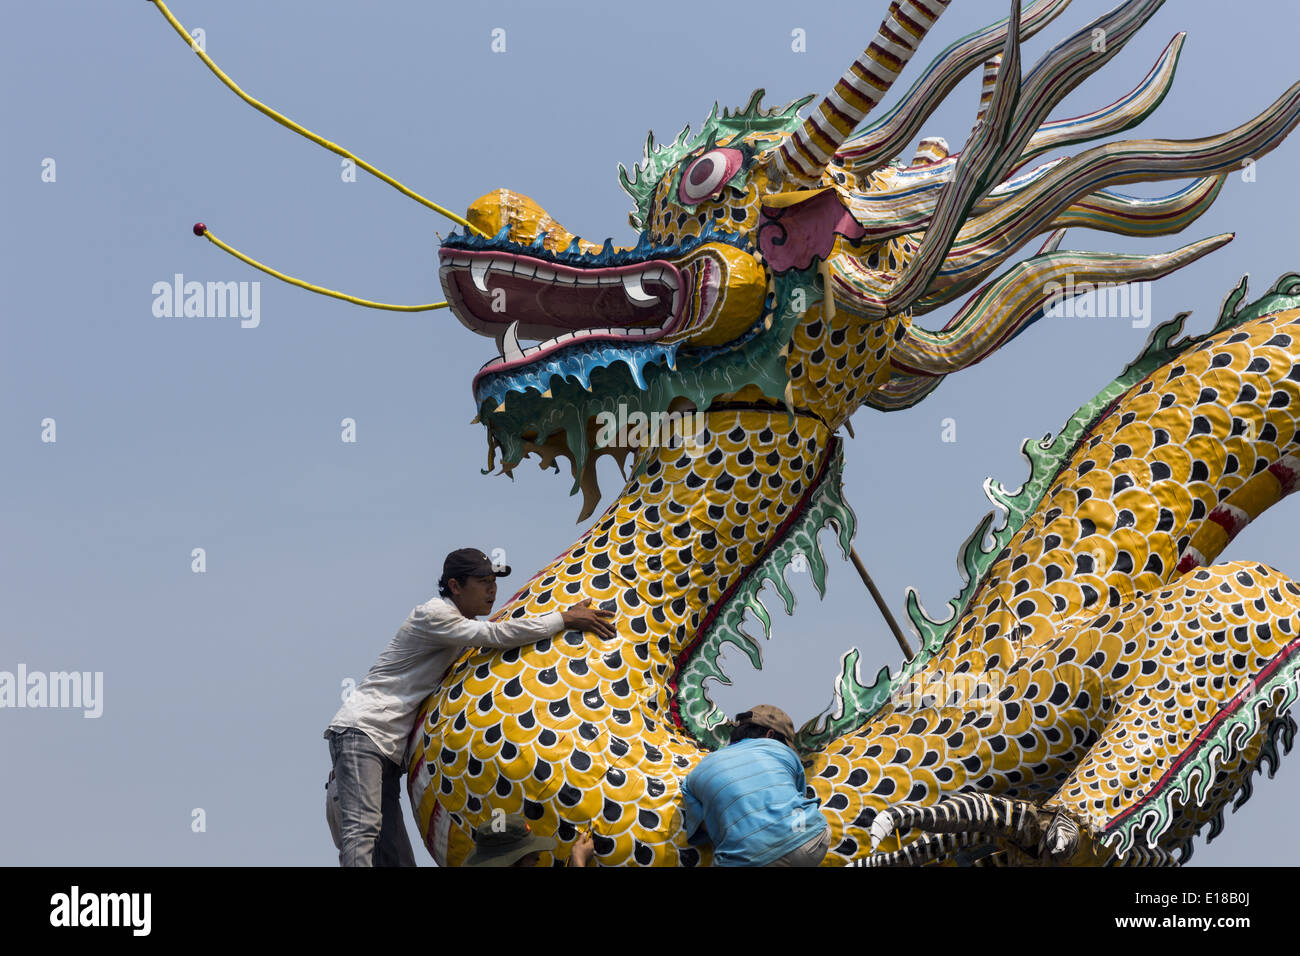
{"x": 972, "y": 813}
{"x": 929, "y": 848}
{"x": 972, "y": 819}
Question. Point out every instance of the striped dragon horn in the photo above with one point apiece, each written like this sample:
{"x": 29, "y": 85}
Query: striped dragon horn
{"x": 806, "y": 152}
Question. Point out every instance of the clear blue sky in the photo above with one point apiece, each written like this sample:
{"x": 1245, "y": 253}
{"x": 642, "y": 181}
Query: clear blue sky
{"x": 175, "y": 434}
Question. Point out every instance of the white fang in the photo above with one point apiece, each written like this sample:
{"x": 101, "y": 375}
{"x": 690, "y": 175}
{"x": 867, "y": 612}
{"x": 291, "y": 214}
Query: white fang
{"x": 638, "y": 295}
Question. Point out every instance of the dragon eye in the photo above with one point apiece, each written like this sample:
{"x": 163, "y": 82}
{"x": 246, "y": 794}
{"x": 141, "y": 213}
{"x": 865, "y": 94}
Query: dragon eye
{"x": 705, "y": 176}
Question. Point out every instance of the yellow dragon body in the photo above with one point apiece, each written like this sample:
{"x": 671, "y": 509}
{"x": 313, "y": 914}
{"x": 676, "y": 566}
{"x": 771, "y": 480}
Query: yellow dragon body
{"x": 1101, "y": 688}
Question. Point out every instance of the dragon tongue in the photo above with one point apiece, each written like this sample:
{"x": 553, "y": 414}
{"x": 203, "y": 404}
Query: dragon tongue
{"x": 509, "y": 343}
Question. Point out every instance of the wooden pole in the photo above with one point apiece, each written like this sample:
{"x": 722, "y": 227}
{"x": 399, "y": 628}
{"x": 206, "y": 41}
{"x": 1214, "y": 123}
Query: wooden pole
{"x": 908, "y": 653}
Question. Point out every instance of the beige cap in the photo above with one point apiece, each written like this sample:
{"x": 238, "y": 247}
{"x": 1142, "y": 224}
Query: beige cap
{"x": 773, "y": 718}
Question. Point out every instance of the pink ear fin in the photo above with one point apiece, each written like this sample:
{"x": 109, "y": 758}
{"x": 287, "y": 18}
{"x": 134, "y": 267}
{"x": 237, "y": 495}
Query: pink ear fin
{"x": 802, "y": 226}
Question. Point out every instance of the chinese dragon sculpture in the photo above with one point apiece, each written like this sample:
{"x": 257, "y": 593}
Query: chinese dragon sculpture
{"x": 1100, "y": 690}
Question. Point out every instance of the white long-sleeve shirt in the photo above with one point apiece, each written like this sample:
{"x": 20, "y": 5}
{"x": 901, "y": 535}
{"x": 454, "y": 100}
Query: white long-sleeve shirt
{"x": 416, "y": 659}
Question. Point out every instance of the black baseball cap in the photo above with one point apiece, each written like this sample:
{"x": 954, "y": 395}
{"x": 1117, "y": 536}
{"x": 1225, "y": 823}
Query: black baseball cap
{"x": 471, "y": 562}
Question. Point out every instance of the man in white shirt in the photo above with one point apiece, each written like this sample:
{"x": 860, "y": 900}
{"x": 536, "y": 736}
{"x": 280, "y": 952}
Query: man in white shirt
{"x": 367, "y": 737}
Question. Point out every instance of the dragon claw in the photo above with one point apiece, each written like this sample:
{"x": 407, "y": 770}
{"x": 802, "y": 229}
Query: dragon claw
{"x": 881, "y": 827}
{"x": 975, "y": 818}
{"x": 1061, "y": 839}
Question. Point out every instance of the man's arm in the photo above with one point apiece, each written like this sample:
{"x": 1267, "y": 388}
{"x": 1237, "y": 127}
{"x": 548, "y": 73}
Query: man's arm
{"x": 795, "y": 766}
{"x": 692, "y": 815}
{"x": 445, "y": 625}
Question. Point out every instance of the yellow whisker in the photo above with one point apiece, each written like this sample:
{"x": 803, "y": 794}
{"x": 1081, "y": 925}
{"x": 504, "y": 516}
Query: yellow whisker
{"x": 303, "y": 131}
{"x": 201, "y": 230}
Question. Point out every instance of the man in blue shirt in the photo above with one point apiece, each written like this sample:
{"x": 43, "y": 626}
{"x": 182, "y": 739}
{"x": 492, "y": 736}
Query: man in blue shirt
{"x": 748, "y": 798}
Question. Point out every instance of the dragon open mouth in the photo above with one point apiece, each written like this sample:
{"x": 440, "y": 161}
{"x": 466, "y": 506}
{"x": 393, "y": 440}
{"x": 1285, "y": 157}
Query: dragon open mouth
{"x": 508, "y": 296}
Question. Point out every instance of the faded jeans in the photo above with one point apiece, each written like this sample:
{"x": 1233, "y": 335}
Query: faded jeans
{"x": 372, "y": 831}
{"x": 810, "y": 854}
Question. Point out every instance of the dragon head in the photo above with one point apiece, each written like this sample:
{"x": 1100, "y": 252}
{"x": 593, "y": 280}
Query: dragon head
{"x": 695, "y": 310}
{"x": 782, "y": 259}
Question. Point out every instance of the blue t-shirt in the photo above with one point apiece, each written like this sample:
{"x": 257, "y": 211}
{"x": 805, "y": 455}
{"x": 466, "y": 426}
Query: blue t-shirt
{"x": 748, "y": 799}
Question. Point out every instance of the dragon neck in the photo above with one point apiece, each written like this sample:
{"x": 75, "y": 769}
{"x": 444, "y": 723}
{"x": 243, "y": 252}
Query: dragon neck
{"x": 686, "y": 532}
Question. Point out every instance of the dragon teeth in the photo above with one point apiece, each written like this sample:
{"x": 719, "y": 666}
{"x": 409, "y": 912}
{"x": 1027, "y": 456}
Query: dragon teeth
{"x": 632, "y": 287}
{"x": 509, "y": 343}
{"x": 632, "y": 282}
{"x": 478, "y": 270}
